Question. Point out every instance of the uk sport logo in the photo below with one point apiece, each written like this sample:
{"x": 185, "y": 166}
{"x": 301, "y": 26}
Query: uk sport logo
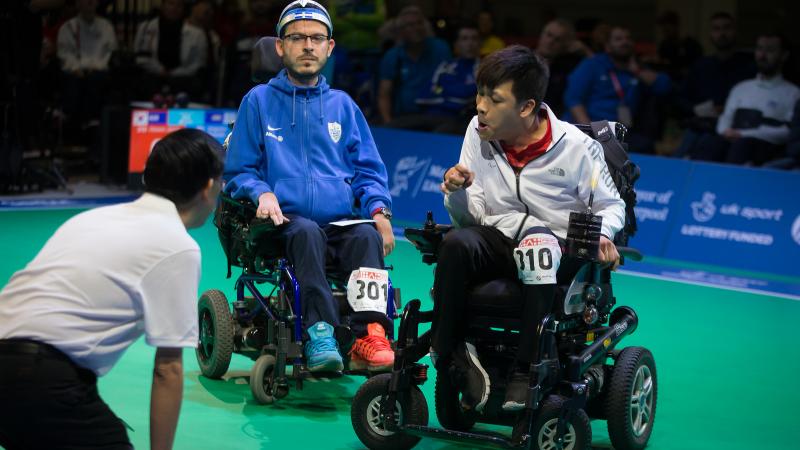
{"x": 796, "y": 230}
{"x": 704, "y": 210}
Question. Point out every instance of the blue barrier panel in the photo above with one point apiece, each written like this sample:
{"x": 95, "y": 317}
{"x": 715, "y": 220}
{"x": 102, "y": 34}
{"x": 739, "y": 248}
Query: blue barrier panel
{"x": 659, "y": 191}
{"x": 416, "y": 162}
{"x": 739, "y": 217}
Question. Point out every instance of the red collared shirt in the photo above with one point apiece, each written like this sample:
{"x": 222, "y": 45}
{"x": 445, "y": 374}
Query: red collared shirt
{"x": 518, "y": 159}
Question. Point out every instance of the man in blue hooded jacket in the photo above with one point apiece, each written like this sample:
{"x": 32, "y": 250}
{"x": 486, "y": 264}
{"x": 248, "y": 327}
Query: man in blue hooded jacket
{"x": 304, "y": 154}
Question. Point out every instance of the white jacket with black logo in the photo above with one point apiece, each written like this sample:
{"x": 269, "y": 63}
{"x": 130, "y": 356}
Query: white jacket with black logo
{"x": 546, "y": 190}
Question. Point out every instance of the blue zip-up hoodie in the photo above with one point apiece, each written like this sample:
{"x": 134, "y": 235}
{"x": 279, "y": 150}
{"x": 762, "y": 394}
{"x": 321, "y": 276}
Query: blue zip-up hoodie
{"x": 311, "y": 147}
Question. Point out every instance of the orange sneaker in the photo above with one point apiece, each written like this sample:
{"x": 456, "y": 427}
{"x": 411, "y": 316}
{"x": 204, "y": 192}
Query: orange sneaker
{"x": 373, "y": 351}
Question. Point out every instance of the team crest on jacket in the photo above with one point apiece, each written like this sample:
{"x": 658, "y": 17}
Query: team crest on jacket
{"x": 335, "y": 130}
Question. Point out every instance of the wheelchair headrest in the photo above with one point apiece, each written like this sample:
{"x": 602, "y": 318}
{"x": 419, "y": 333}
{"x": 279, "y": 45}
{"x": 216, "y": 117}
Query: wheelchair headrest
{"x": 265, "y": 63}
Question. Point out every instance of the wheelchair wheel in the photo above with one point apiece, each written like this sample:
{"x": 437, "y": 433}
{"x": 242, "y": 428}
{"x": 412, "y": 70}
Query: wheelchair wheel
{"x": 262, "y": 381}
{"x": 631, "y": 403}
{"x": 410, "y": 408}
{"x": 216, "y": 334}
{"x": 578, "y": 434}
{"x": 448, "y": 405}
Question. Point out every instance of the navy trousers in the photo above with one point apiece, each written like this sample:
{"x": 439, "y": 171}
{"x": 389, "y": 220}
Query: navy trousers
{"x": 312, "y": 248}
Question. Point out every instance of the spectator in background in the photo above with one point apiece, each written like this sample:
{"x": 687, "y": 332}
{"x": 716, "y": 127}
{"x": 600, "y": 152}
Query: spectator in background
{"x": 170, "y": 51}
{"x": 202, "y": 16}
{"x": 407, "y": 68}
{"x": 675, "y": 53}
{"x": 264, "y": 16}
{"x": 754, "y": 126}
{"x": 228, "y": 21}
{"x": 84, "y": 47}
{"x": 489, "y": 41}
{"x": 792, "y": 159}
{"x": 608, "y": 86}
{"x": 562, "y": 53}
{"x": 450, "y": 97}
{"x": 357, "y": 23}
{"x": 593, "y": 33}
{"x": 702, "y": 95}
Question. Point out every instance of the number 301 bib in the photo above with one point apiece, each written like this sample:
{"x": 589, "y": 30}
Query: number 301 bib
{"x": 367, "y": 289}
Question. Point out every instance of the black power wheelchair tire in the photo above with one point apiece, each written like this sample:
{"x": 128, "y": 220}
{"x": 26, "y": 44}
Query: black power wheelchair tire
{"x": 448, "y": 405}
{"x": 366, "y": 409}
{"x": 578, "y": 435}
{"x": 633, "y": 369}
{"x": 262, "y": 378}
{"x": 215, "y": 318}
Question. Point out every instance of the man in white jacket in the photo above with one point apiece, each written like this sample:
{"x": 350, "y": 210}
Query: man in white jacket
{"x": 754, "y": 127}
{"x": 171, "y": 51}
{"x": 520, "y": 174}
{"x": 85, "y": 45}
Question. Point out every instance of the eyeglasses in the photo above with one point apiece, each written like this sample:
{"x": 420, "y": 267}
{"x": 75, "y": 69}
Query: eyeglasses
{"x": 316, "y": 39}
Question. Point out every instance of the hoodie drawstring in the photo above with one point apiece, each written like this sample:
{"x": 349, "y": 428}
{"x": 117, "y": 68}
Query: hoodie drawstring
{"x": 294, "y": 95}
{"x": 321, "y": 113}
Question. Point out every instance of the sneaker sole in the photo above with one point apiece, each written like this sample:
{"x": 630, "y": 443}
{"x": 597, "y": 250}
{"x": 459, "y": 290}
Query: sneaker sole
{"x": 358, "y": 365}
{"x": 473, "y": 357}
{"x": 513, "y": 406}
{"x": 327, "y": 366}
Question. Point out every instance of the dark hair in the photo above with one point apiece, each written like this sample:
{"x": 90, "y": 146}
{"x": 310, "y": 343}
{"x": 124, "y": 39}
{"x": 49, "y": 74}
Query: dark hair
{"x": 774, "y": 35}
{"x": 517, "y": 64}
{"x": 722, "y": 15}
{"x": 181, "y": 164}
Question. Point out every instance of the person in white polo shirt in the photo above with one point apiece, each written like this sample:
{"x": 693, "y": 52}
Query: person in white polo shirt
{"x": 106, "y": 277}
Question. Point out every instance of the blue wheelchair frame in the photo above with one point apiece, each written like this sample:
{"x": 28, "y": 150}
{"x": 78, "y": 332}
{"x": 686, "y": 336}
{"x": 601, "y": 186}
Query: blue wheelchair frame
{"x": 266, "y": 328}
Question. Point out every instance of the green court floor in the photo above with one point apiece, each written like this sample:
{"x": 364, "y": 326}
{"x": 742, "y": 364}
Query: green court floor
{"x": 728, "y": 365}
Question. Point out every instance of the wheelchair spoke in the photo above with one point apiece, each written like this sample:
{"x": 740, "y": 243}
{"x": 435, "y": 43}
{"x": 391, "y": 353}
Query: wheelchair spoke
{"x": 374, "y": 416}
{"x": 547, "y": 436}
{"x": 641, "y": 400}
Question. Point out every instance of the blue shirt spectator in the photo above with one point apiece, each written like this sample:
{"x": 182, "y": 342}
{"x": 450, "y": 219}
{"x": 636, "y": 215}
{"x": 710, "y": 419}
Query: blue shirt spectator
{"x": 591, "y": 85}
{"x": 452, "y": 89}
{"x": 602, "y": 86}
{"x": 407, "y": 68}
{"x": 409, "y": 76}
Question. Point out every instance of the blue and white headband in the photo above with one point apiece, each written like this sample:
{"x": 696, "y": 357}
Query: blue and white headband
{"x": 299, "y": 10}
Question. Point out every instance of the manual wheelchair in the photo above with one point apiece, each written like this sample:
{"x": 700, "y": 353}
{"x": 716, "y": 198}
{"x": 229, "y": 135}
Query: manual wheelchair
{"x": 266, "y": 328}
{"x": 571, "y": 378}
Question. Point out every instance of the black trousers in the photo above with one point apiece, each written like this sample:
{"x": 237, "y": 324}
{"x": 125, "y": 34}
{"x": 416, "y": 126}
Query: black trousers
{"x": 713, "y": 147}
{"x": 473, "y": 255}
{"x": 49, "y": 402}
{"x": 312, "y": 249}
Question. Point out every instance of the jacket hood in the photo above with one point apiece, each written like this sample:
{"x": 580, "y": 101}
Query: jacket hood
{"x": 282, "y": 84}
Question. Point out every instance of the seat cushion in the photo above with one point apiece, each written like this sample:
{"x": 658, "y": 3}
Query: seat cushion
{"x": 501, "y": 298}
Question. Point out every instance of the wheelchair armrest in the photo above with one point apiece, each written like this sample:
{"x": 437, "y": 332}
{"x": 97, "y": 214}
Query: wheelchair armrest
{"x": 259, "y": 227}
{"x": 630, "y": 253}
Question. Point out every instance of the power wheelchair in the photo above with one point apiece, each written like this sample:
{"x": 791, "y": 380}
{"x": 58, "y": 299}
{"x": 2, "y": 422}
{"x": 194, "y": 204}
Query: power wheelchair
{"x": 578, "y": 373}
{"x": 571, "y": 379}
{"x": 266, "y": 328}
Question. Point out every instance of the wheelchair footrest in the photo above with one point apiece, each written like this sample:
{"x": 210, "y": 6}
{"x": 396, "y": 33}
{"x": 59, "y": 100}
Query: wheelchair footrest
{"x": 458, "y": 436}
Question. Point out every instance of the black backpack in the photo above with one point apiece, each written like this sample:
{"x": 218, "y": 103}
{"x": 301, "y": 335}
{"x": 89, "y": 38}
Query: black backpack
{"x": 623, "y": 171}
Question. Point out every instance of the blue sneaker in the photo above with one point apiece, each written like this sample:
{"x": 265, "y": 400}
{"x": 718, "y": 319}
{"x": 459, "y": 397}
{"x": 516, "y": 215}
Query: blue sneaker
{"x": 322, "y": 350}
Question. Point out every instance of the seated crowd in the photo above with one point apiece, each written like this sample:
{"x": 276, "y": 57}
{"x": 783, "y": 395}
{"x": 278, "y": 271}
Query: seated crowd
{"x": 731, "y": 105}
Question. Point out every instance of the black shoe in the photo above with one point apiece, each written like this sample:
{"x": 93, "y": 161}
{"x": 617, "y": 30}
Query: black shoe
{"x": 472, "y": 378}
{"x": 516, "y": 392}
